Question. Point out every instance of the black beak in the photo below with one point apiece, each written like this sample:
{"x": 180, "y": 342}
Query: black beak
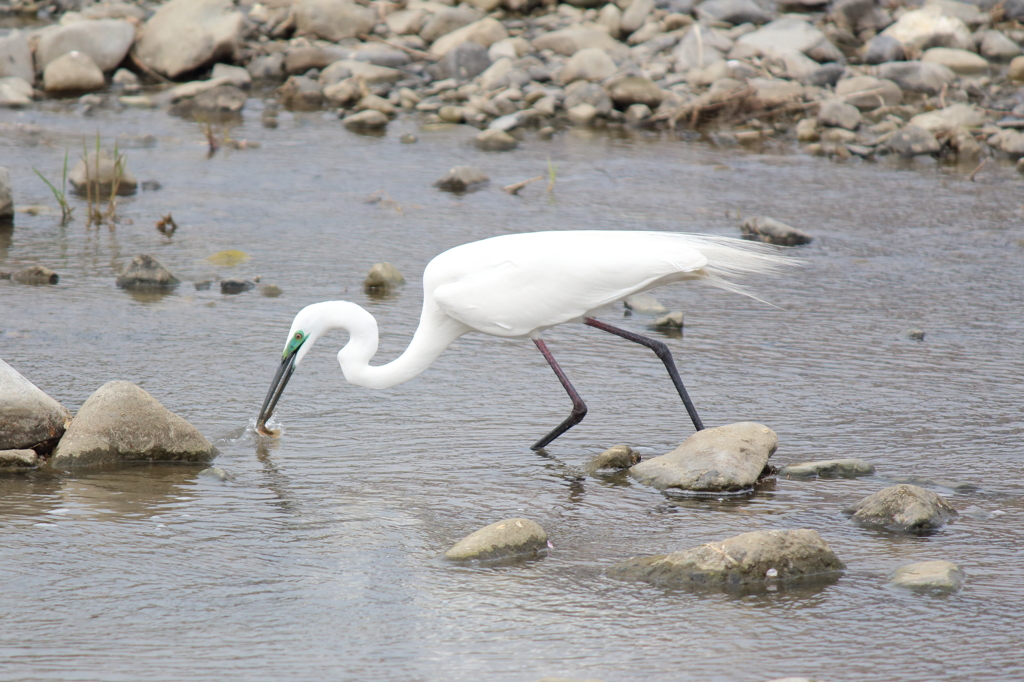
{"x": 284, "y": 373}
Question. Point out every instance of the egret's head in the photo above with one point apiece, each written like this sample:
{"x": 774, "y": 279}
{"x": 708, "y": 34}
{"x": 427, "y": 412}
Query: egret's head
{"x": 306, "y": 328}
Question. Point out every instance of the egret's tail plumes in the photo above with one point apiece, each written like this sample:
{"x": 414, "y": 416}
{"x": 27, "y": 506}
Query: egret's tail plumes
{"x": 731, "y": 259}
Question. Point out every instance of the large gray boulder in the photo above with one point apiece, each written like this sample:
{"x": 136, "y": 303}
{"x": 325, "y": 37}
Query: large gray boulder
{"x": 746, "y": 559}
{"x": 16, "y": 56}
{"x": 504, "y": 539}
{"x": 728, "y": 458}
{"x": 122, "y": 423}
{"x": 28, "y": 417}
{"x": 185, "y": 35}
{"x": 929, "y": 576}
{"x": 73, "y": 72}
{"x": 106, "y": 41}
{"x": 333, "y": 20}
{"x": 902, "y": 507}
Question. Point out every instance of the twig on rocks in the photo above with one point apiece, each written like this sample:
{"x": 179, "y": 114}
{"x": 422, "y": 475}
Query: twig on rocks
{"x": 728, "y": 558}
{"x": 942, "y": 95}
{"x": 984, "y": 162}
{"x": 514, "y": 188}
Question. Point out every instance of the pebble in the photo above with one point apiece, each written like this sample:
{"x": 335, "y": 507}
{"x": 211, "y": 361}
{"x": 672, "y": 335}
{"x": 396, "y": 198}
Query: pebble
{"x": 495, "y": 141}
{"x": 235, "y": 285}
{"x": 673, "y": 320}
{"x": 270, "y": 290}
{"x": 645, "y": 304}
{"x": 903, "y": 507}
{"x": 771, "y": 231}
{"x": 615, "y": 458}
{"x": 516, "y": 537}
{"x": 35, "y": 274}
{"x": 929, "y": 576}
{"x": 462, "y": 179}
{"x": 382, "y": 278}
{"x": 913, "y": 141}
{"x": 370, "y": 119}
{"x": 146, "y": 272}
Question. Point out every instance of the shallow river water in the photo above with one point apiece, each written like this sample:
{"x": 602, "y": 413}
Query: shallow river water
{"x": 320, "y": 559}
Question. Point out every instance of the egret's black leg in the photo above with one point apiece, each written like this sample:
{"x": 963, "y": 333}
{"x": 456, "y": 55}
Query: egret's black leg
{"x": 579, "y": 409}
{"x": 662, "y": 351}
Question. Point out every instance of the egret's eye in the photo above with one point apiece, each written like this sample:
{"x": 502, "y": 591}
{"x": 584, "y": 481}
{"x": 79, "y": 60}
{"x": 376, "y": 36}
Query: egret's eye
{"x": 298, "y": 336}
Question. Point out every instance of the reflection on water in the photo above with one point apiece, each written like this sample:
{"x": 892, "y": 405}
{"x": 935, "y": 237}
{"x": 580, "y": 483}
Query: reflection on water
{"x": 321, "y": 554}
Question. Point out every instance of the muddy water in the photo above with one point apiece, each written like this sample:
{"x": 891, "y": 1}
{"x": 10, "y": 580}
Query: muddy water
{"x": 319, "y": 560}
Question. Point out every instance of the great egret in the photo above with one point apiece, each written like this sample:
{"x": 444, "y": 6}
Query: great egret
{"x": 518, "y": 285}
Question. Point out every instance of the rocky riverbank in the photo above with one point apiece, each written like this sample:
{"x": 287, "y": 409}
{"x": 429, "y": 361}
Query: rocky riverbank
{"x": 847, "y": 78}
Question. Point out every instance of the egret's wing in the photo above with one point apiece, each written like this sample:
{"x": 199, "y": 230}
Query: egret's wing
{"x": 539, "y": 283}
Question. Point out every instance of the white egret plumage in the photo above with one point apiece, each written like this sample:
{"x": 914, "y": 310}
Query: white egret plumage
{"x": 518, "y": 285}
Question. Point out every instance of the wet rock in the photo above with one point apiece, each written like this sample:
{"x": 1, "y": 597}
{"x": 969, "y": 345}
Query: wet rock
{"x": 955, "y": 115}
{"x": 98, "y": 175}
{"x": 15, "y": 92}
{"x": 270, "y": 290}
{"x": 495, "y": 141}
{"x": 6, "y": 198}
{"x": 382, "y": 277}
{"x": 486, "y": 32}
{"x": 868, "y": 92}
{"x": 146, "y": 272}
{"x": 615, "y": 458}
{"x": 375, "y": 103}
{"x": 504, "y": 539}
{"x": 1009, "y": 141}
{"x": 673, "y": 320}
{"x": 366, "y": 120}
{"x": 926, "y": 77}
{"x": 725, "y": 459}
{"x": 835, "y": 113}
{"x": 333, "y": 20}
{"x": 997, "y": 47}
{"x": 223, "y": 98}
{"x": 18, "y": 459}
{"x": 929, "y": 576}
{"x": 582, "y": 114}
{"x": 446, "y": 20}
{"x": 915, "y": 334}
{"x": 750, "y": 558}
{"x": 216, "y": 473}
{"x": 583, "y": 92}
{"x": 267, "y": 67}
{"x": 28, "y": 417}
{"x": 370, "y": 73}
{"x": 645, "y": 304}
{"x": 16, "y": 56}
{"x": 235, "y": 285}
{"x": 635, "y": 90}
{"x": 300, "y": 93}
{"x": 345, "y": 93}
{"x": 913, "y": 141}
{"x": 957, "y": 61}
{"x": 105, "y": 41}
{"x": 406, "y": 21}
{"x": 185, "y": 35}
{"x": 807, "y": 130}
{"x": 904, "y": 508}
{"x": 592, "y": 64}
{"x": 462, "y": 179}
{"x": 825, "y": 75}
{"x": 234, "y": 75}
{"x": 464, "y": 62}
{"x": 829, "y": 468}
{"x": 771, "y": 231}
{"x": 788, "y": 34}
{"x": 72, "y": 72}
{"x": 882, "y": 48}
{"x": 732, "y": 11}
{"x": 36, "y": 274}
{"x": 122, "y": 423}
{"x": 569, "y": 41}
{"x": 927, "y": 27}
{"x": 637, "y": 114}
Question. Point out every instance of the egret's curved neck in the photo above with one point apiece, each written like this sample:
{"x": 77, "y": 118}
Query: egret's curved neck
{"x": 436, "y": 332}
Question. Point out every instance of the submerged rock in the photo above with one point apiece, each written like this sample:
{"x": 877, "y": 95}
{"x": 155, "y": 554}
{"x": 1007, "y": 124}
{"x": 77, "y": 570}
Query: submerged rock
{"x": 28, "y": 417}
{"x": 382, "y": 277}
{"x": 508, "y": 538}
{"x": 235, "y": 285}
{"x": 98, "y": 175}
{"x": 728, "y": 458}
{"x": 904, "y": 508}
{"x": 772, "y": 231}
{"x": 749, "y": 558}
{"x": 35, "y": 274}
{"x": 18, "y": 459}
{"x": 673, "y": 320}
{"x": 615, "y": 458}
{"x": 829, "y": 468}
{"x": 122, "y": 423}
{"x": 495, "y": 141}
{"x": 645, "y": 304}
{"x": 929, "y": 576}
{"x": 462, "y": 179}
{"x": 146, "y": 272}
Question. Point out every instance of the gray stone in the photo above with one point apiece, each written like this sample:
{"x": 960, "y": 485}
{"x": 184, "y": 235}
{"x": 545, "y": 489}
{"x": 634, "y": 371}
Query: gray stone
{"x": 829, "y": 468}
{"x": 753, "y": 558}
{"x": 637, "y": 114}
{"x": 106, "y": 41}
{"x": 406, "y": 21}
{"x": 772, "y": 231}
{"x": 635, "y": 15}
{"x": 1013, "y": 10}
{"x": 268, "y": 67}
{"x": 270, "y": 290}
{"x": 726, "y": 459}
{"x": 569, "y": 41}
{"x": 28, "y": 417}
{"x": 868, "y": 92}
{"x": 1009, "y": 141}
{"x": 72, "y": 72}
{"x": 18, "y": 459}
{"x": 462, "y": 179}
{"x": 6, "y": 197}
{"x": 584, "y": 92}
{"x": 146, "y": 272}
{"x": 645, "y": 304}
{"x": 953, "y": 116}
{"x": 956, "y": 60}
{"x": 370, "y": 119}
{"x": 223, "y": 98}
{"x": 382, "y": 277}
{"x": 966, "y": 12}
{"x": 732, "y": 11}
{"x": 902, "y": 507}
{"x": 700, "y": 47}
{"x": 370, "y": 73}
{"x": 824, "y": 75}
{"x": 16, "y": 56}
{"x": 345, "y": 93}
{"x": 375, "y": 103}
{"x": 15, "y": 92}
{"x": 35, "y": 274}
{"x": 445, "y": 21}
{"x": 825, "y": 52}
{"x": 913, "y": 141}
{"x": 835, "y": 113}
{"x": 300, "y": 93}
{"x": 464, "y": 62}
{"x": 486, "y": 32}
{"x": 630, "y": 90}
{"x": 928, "y": 27}
{"x": 881, "y": 49}
{"x": 217, "y": 473}
{"x": 122, "y": 423}
{"x": 788, "y": 34}
{"x": 858, "y": 15}
{"x": 672, "y": 320}
{"x": 997, "y": 47}
{"x": 493, "y": 140}
{"x": 504, "y": 539}
{"x": 929, "y": 576}
{"x": 333, "y": 20}
{"x": 185, "y": 35}
{"x": 592, "y": 64}
{"x": 615, "y": 458}
{"x": 235, "y": 75}
{"x": 98, "y": 175}
{"x": 582, "y": 114}
{"x": 236, "y": 285}
{"x": 300, "y": 60}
